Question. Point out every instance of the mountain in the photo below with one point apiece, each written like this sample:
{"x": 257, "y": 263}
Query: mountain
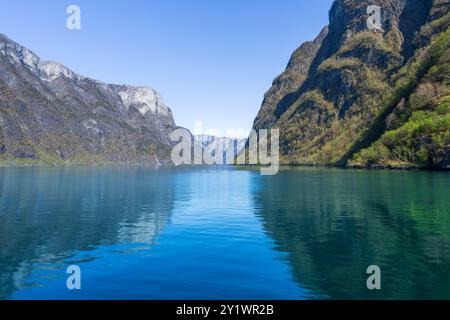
{"x": 367, "y": 98}
{"x": 50, "y": 114}
{"x": 289, "y": 81}
{"x": 230, "y": 147}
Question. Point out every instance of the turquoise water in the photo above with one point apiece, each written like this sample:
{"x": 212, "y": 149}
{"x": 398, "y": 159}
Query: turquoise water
{"x": 306, "y": 233}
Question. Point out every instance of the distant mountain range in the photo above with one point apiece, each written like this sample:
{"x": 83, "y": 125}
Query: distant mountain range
{"x": 367, "y": 98}
{"x": 50, "y": 114}
{"x": 228, "y": 147}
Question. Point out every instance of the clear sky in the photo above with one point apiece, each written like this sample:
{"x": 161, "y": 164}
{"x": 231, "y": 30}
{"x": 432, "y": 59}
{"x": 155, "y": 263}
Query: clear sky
{"x": 211, "y": 60}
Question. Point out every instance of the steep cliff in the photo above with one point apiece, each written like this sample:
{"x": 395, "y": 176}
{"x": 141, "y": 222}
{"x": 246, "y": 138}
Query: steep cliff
{"x": 50, "y": 114}
{"x": 286, "y": 84}
{"x": 359, "y": 82}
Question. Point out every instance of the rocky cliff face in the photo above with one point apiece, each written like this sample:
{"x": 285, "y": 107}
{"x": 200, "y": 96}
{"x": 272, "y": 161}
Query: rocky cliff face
{"x": 345, "y": 92}
{"x": 286, "y": 84}
{"x": 50, "y": 114}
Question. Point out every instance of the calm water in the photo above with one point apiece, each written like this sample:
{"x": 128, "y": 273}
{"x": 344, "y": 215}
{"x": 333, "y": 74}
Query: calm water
{"x": 223, "y": 233}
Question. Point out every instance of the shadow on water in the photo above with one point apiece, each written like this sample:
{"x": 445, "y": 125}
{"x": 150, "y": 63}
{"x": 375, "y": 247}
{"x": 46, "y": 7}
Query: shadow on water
{"x": 333, "y": 224}
{"x": 100, "y": 208}
{"x": 220, "y": 233}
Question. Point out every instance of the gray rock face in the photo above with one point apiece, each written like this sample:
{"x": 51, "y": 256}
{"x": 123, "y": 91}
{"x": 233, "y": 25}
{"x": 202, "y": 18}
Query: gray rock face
{"x": 50, "y": 113}
{"x": 444, "y": 161}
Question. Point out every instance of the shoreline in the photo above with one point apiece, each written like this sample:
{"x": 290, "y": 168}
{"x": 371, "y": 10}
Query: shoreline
{"x": 32, "y": 163}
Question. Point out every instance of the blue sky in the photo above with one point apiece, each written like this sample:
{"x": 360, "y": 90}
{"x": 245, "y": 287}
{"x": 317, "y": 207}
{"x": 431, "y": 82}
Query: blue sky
{"x": 212, "y": 60}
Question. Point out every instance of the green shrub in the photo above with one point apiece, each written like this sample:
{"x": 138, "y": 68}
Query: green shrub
{"x": 338, "y": 64}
